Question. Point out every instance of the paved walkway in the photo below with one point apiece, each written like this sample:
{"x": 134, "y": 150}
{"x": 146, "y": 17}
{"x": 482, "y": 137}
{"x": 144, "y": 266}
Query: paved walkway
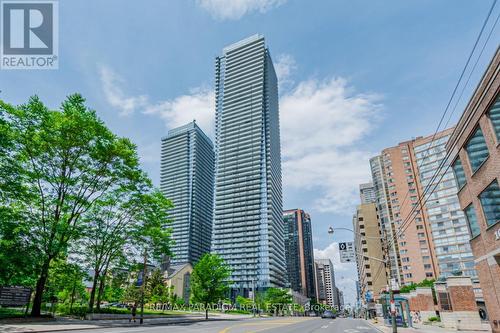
{"x": 65, "y": 324}
{"x": 418, "y": 328}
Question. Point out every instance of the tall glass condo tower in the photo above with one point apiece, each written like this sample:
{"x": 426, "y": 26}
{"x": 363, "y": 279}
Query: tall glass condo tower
{"x": 187, "y": 178}
{"x": 248, "y": 227}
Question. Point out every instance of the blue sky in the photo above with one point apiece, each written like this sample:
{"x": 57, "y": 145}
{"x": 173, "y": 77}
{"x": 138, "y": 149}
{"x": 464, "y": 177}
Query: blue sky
{"x": 355, "y": 77}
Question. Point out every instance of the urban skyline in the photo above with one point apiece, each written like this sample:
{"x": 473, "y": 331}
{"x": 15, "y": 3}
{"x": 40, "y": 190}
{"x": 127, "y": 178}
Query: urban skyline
{"x": 145, "y": 94}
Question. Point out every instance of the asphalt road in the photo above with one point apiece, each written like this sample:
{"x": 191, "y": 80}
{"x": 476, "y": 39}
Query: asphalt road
{"x": 271, "y": 325}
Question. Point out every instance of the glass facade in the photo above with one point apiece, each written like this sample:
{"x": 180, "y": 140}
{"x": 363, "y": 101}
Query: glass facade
{"x": 470, "y": 213}
{"x": 490, "y": 202}
{"x": 187, "y": 178}
{"x": 299, "y": 252}
{"x": 494, "y": 115}
{"x": 448, "y": 223}
{"x": 458, "y": 170}
{"x": 477, "y": 150}
{"x": 248, "y": 231}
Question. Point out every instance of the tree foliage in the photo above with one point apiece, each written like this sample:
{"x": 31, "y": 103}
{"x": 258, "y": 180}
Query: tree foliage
{"x": 209, "y": 280}
{"x": 277, "y": 299}
{"x": 413, "y": 286}
{"x": 65, "y": 178}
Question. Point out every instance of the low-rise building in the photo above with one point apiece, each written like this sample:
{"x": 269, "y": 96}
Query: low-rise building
{"x": 178, "y": 278}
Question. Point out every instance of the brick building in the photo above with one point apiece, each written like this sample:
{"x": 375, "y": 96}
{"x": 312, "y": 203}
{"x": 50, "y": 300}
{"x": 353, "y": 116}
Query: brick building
{"x": 474, "y": 149}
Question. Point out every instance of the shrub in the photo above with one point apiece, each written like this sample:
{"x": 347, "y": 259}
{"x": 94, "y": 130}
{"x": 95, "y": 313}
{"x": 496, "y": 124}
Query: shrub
{"x": 77, "y": 310}
{"x": 434, "y": 318}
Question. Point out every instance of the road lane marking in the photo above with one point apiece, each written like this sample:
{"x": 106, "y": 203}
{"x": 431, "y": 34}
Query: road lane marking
{"x": 324, "y": 326}
{"x": 362, "y": 328}
{"x": 265, "y": 322}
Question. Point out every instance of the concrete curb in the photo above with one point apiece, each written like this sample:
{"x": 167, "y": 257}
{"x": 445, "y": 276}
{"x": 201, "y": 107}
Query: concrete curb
{"x": 185, "y": 321}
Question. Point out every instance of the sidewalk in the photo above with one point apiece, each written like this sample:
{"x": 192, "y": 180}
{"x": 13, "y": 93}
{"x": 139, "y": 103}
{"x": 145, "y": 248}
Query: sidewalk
{"x": 66, "y": 324}
{"x": 419, "y": 328}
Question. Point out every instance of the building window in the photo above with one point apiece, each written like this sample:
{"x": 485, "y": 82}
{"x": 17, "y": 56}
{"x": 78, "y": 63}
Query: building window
{"x": 490, "y": 200}
{"x": 458, "y": 170}
{"x": 444, "y": 300}
{"x": 494, "y": 115}
{"x": 477, "y": 150}
{"x": 470, "y": 214}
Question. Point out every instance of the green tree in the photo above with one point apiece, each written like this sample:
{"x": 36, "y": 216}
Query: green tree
{"x": 244, "y": 302}
{"x": 109, "y": 224}
{"x": 157, "y": 291}
{"x": 278, "y": 299}
{"x": 16, "y": 259}
{"x": 67, "y": 160}
{"x": 151, "y": 235}
{"x": 209, "y": 280}
{"x": 65, "y": 283}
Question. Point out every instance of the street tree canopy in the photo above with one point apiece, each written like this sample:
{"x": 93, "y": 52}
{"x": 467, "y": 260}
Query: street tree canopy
{"x": 210, "y": 280}
{"x": 60, "y": 163}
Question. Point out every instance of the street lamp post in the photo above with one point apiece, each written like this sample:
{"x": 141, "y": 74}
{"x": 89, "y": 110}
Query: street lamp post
{"x": 387, "y": 262}
{"x": 143, "y": 286}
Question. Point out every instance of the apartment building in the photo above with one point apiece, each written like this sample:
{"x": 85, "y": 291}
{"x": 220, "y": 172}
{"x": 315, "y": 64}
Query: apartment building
{"x": 299, "y": 251}
{"x": 187, "y": 178}
{"x": 372, "y": 272}
{"x": 248, "y": 231}
{"x": 326, "y": 292}
{"x": 474, "y": 149}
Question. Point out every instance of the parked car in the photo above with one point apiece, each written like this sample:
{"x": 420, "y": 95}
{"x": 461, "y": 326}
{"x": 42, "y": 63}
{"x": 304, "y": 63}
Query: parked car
{"x": 328, "y": 314}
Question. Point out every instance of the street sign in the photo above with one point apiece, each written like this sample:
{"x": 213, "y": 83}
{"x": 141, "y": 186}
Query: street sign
{"x": 14, "y": 296}
{"x": 347, "y": 253}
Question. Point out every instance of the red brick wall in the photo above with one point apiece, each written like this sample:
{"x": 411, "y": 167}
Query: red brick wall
{"x": 425, "y": 303}
{"x": 462, "y": 298}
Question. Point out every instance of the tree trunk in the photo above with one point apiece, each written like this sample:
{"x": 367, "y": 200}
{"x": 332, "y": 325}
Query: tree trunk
{"x": 206, "y": 311}
{"x": 92, "y": 292}
{"x": 101, "y": 291}
{"x": 40, "y": 286}
{"x": 102, "y": 284}
{"x": 72, "y": 297}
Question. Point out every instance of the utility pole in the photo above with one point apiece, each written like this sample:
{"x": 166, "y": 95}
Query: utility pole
{"x": 387, "y": 263}
{"x": 392, "y": 307}
{"x": 253, "y": 297}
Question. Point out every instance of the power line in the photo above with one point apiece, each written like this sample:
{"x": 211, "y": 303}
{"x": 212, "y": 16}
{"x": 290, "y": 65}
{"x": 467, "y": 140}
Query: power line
{"x": 409, "y": 217}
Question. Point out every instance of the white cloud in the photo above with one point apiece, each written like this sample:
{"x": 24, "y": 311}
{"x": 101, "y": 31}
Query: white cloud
{"x": 332, "y": 252}
{"x": 197, "y": 105}
{"x": 345, "y": 273}
{"x": 235, "y": 9}
{"x": 115, "y": 96}
{"x": 323, "y": 123}
{"x": 284, "y": 66}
